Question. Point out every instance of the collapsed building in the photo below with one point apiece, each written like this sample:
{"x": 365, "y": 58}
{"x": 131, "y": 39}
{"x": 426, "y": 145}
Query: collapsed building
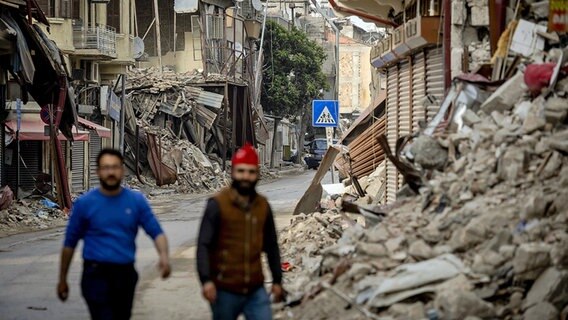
{"x": 473, "y": 225}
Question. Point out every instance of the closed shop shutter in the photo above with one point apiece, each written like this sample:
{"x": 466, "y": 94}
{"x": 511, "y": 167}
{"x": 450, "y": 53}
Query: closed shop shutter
{"x": 95, "y": 143}
{"x": 434, "y": 79}
{"x": 77, "y": 166}
{"x": 30, "y": 165}
{"x": 404, "y": 100}
{"x": 392, "y": 130}
{"x": 418, "y": 90}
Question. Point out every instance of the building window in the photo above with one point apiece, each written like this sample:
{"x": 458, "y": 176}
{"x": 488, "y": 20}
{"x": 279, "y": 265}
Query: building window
{"x": 61, "y": 8}
{"x": 113, "y": 15}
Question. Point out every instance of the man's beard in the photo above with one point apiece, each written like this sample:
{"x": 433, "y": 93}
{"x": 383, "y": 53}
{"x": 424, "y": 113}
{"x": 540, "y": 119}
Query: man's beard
{"x": 110, "y": 187}
{"x": 244, "y": 188}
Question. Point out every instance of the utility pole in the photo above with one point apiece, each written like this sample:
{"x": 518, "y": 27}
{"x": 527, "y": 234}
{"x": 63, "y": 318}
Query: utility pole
{"x": 158, "y": 37}
{"x": 329, "y": 134}
{"x": 122, "y": 111}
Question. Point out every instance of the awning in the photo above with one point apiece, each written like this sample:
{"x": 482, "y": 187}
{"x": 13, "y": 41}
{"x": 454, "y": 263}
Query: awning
{"x": 32, "y": 128}
{"x": 103, "y": 132}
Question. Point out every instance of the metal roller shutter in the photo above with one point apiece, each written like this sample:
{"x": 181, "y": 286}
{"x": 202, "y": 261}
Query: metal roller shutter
{"x": 30, "y": 165}
{"x": 404, "y": 99}
{"x": 392, "y": 130}
{"x": 434, "y": 79}
{"x": 95, "y": 145}
{"x": 77, "y": 166}
{"x": 418, "y": 90}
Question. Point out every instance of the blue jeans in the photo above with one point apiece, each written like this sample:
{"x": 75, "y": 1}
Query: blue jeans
{"x": 255, "y": 305}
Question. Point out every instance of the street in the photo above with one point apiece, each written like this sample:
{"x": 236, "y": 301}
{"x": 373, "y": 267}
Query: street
{"x": 30, "y": 262}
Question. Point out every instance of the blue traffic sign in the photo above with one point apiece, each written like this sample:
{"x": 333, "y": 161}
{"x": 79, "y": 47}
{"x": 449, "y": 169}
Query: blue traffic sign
{"x": 325, "y": 113}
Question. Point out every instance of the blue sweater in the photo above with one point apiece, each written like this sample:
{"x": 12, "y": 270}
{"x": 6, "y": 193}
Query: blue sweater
{"x": 108, "y": 225}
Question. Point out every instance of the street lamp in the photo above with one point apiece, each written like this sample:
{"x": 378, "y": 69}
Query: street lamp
{"x": 292, "y": 6}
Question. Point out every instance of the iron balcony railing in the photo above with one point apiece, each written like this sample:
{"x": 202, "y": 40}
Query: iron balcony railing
{"x": 100, "y": 37}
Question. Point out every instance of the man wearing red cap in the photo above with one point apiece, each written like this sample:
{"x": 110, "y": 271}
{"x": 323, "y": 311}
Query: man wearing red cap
{"x": 236, "y": 228}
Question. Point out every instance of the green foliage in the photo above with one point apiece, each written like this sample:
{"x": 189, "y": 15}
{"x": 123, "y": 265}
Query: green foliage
{"x": 292, "y": 71}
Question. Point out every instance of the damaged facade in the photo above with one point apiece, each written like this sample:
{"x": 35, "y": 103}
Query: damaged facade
{"x": 213, "y": 46}
{"x": 477, "y": 228}
{"x": 92, "y": 45}
{"x": 425, "y": 46}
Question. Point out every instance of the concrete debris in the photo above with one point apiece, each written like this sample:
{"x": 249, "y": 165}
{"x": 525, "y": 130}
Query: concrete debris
{"x": 506, "y": 96}
{"x": 459, "y": 305}
{"x": 485, "y": 235}
{"x": 541, "y": 311}
{"x": 30, "y": 214}
{"x": 550, "y": 287}
{"x": 530, "y": 260}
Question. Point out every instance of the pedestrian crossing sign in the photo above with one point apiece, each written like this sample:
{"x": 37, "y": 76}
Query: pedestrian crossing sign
{"x": 325, "y": 113}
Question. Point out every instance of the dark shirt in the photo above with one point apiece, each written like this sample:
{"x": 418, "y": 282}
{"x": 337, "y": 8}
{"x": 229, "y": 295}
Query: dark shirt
{"x": 208, "y": 234}
{"x": 108, "y": 225}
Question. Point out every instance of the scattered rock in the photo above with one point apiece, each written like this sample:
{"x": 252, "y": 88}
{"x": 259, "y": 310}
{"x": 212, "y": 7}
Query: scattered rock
{"x": 459, "y": 305}
{"x": 420, "y": 250}
{"x": 530, "y": 260}
{"x": 551, "y": 286}
{"x": 541, "y": 311}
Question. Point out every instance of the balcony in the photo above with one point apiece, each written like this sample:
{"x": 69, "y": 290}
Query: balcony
{"x": 415, "y": 34}
{"x": 94, "y": 42}
{"x": 422, "y": 31}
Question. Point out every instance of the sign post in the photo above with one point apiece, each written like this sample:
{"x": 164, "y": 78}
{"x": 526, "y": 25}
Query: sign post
{"x": 325, "y": 113}
{"x": 18, "y": 127}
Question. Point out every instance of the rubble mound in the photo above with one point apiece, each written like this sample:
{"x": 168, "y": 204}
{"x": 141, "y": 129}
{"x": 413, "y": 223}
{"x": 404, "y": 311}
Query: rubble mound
{"x": 30, "y": 215}
{"x": 486, "y": 237}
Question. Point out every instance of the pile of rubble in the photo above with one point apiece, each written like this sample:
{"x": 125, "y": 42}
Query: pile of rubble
{"x": 194, "y": 172}
{"x": 30, "y": 215}
{"x": 484, "y": 237}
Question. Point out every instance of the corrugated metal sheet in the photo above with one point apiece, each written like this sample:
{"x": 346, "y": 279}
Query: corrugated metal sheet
{"x": 366, "y": 154}
{"x": 392, "y": 130}
{"x": 434, "y": 79}
{"x": 77, "y": 166}
{"x": 418, "y": 90}
{"x": 205, "y": 117}
{"x": 210, "y": 99}
{"x": 95, "y": 145}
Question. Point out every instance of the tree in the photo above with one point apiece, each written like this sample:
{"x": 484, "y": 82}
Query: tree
{"x": 292, "y": 75}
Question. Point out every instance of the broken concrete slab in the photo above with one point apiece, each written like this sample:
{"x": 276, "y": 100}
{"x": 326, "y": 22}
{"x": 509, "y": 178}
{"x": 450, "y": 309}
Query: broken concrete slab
{"x": 513, "y": 164}
{"x": 470, "y": 118}
{"x": 551, "y": 286}
{"x": 506, "y": 96}
{"x": 530, "y": 260}
{"x": 459, "y": 305}
{"x": 541, "y": 311}
{"x": 372, "y": 249}
{"x": 428, "y": 153}
{"x": 409, "y": 311}
{"x": 420, "y": 250}
{"x": 414, "y": 275}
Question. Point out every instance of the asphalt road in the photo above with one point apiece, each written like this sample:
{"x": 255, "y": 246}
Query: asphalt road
{"x": 29, "y": 263}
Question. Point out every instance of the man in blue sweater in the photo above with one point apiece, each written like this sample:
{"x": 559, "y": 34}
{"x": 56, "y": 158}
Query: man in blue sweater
{"x": 107, "y": 219}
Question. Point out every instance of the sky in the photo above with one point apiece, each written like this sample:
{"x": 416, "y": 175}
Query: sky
{"x": 362, "y": 24}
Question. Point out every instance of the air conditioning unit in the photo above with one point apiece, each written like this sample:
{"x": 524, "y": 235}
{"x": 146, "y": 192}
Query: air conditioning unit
{"x": 79, "y": 75}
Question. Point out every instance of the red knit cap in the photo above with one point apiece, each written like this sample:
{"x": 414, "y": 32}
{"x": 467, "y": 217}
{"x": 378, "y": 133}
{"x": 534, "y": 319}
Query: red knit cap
{"x": 245, "y": 155}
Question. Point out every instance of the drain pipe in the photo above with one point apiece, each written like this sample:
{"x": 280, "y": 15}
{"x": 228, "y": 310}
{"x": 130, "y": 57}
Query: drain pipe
{"x": 447, "y": 45}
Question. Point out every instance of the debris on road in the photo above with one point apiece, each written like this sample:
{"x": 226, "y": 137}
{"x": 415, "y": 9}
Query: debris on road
{"x": 30, "y": 214}
{"x": 479, "y": 231}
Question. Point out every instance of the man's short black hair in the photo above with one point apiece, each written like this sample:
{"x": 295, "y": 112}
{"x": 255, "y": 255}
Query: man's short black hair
{"x": 110, "y": 152}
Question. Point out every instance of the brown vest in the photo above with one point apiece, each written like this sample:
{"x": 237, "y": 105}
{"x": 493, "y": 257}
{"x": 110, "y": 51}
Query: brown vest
{"x": 236, "y": 261}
